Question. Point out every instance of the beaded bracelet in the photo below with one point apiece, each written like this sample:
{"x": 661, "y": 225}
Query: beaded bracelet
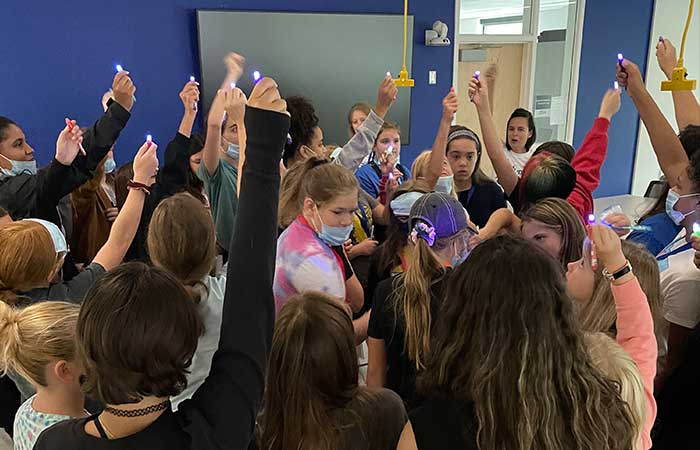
{"x": 138, "y": 186}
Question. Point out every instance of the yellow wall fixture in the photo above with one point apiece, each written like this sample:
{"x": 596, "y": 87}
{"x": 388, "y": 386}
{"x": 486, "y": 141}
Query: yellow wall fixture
{"x": 679, "y": 78}
{"x": 403, "y": 80}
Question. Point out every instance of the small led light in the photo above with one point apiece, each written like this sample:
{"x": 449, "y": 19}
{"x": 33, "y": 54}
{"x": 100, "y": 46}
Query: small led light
{"x": 620, "y": 58}
{"x": 477, "y": 74}
{"x": 388, "y": 74}
{"x": 661, "y": 39}
{"x": 149, "y": 138}
{"x": 591, "y": 218}
{"x": 233, "y": 85}
{"x": 617, "y": 86}
{"x": 191, "y": 78}
{"x": 119, "y": 68}
{"x": 390, "y": 150}
{"x": 696, "y": 227}
{"x": 256, "y": 76}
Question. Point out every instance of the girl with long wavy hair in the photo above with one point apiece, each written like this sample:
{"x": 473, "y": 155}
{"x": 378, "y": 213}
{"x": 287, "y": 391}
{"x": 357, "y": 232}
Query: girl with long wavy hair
{"x": 509, "y": 368}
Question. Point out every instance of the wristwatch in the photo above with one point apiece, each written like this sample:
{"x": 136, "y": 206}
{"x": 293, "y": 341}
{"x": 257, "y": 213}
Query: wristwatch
{"x": 618, "y": 274}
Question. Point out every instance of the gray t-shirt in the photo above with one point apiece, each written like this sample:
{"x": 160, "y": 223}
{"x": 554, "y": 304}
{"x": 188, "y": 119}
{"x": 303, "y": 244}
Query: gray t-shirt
{"x": 72, "y": 291}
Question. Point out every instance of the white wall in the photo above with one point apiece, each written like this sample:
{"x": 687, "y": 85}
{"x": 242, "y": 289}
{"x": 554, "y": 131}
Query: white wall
{"x": 669, "y": 21}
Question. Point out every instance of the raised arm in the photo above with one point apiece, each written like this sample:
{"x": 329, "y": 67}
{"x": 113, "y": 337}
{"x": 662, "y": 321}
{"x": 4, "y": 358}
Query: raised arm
{"x": 360, "y": 145}
{"x": 127, "y": 223}
{"x": 235, "y": 112}
{"x": 235, "y": 385}
{"x": 669, "y": 151}
{"x": 212, "y": 145}
{"x": 491, "y": 75}
{"x": 507, "y": 178}
{"x": 189, "y": 97}
{"x": 450, "y": 104}
{"x": 685, "y": 104}
{"x": 635, "y": 325}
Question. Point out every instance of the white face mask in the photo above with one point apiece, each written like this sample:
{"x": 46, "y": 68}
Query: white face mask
{"x": 445, "y": 185}
{"x": 19, "y": 167}
{"x": 672, "y": 200}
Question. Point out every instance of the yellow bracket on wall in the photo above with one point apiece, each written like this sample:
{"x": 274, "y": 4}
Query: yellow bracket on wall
{"x": 403, "y": 80}
{"x": 679, "y": 78}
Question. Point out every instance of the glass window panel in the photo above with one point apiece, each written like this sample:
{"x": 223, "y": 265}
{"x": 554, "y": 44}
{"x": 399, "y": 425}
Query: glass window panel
{"x": 494, "y": 17}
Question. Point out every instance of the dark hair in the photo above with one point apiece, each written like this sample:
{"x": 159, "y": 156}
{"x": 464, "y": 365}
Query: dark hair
{"x": 525, "y": 114}
{"x": 478, "y": 176}
{"x": 389, "y": 252}
{"x": 516, "y": 351}
{"x": 690, "y": 140}
{"x": 4, "y": 125}
{"x": 312, "y": 375}
{"x": 558, "y": 148}
{"x": 137, "y": 333}
{"x": 193, "y": 184}
{"x": 302, "y": 127}
{"x": 546, "y": 175}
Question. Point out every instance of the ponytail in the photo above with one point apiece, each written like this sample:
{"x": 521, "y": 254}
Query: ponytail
{"x": 314, "y": 177}
{"x": 412, "y": 291}
{"x": 32, "y": 337}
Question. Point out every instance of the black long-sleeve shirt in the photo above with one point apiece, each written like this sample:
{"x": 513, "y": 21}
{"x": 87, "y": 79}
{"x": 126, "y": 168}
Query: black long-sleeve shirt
{"x": 221, "y": 414}
{"x": 38, "y": 195}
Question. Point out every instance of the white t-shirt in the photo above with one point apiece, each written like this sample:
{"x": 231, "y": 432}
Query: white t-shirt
{"x": 680, "y": 289}
{"x": 210, "y": 310}
{"x": 518, "y": 160}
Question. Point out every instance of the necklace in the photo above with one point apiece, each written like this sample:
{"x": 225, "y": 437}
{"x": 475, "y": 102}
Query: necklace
{"x": 138, "y": 412}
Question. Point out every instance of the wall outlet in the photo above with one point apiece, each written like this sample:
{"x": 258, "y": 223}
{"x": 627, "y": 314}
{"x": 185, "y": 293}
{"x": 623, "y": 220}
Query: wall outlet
{"x": 432, "y": 77}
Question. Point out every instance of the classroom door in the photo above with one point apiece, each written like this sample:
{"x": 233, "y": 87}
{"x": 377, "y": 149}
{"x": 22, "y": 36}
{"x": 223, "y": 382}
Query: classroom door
{"x": 509, "y": 90}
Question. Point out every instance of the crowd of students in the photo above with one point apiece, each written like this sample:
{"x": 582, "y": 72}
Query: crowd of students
{"x": 263, "y": 290}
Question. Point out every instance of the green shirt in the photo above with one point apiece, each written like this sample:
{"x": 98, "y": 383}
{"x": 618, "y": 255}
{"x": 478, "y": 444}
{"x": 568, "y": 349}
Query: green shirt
{"x": 223, "y": 198}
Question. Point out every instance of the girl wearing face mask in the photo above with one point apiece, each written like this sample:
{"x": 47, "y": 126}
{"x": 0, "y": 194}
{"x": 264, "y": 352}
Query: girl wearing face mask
{"x": 94, "y": 211}
{"x": 431, "y": 166}
{"x": 386, "y": 147}
{"x": 310, "y": 252}
{"x": 404, "y": 307}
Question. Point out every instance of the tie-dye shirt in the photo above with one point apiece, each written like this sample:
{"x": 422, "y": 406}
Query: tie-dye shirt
{"x": 305, "y": 263}
{"x": 29, "y": 423}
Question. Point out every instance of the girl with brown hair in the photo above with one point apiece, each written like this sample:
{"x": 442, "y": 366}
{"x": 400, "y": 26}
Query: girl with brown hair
{"x": 406, "y": 306}
{"x": 312, "y": 399}
{"x": 138, "y": 328}
{"x": 509, "y": 368}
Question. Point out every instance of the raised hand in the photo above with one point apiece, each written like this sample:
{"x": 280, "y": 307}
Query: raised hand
{"x": 386, "y": 96}
{"x": 217, "y": 109}
{"x": 450, "y": 104}
{"x": 387, "y": 164}
{"x": 619, "y": 223}
{"x": 69, "y": 143}
{"x": 611, "y": 104}
{"x": 266, "y": 96}
{"x": 608, "y": 247}
{"x": 491, "y": 73}
{"x": 190, "y": 96}
{"x": 666, "y": 57}
{"x": 146, "y": 164}
{"x": 123, "y": 90}
{"x": 630, "y": 77}
{"x": 478, "y": 92}
{"x": 234, "y": 66}
{"x": 235, "y": 101}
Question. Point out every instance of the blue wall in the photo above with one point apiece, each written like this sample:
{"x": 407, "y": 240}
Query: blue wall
{"x": 58, "y": 60}
{"x": 608, "y": 29}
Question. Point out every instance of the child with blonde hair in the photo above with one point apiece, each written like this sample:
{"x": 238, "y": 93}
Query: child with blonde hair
{"x": 38, "y": 343}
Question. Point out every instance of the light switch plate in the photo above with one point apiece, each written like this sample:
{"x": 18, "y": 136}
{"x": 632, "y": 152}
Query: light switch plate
{"x": 432, "y": 77}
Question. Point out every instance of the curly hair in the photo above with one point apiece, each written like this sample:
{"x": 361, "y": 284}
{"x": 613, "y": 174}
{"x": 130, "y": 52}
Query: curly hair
{"x": 302, "y": 127}
{"x": 514, "y": 349}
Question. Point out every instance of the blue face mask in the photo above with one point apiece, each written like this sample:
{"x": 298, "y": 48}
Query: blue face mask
{"x": 401, "y": 205}
{"x": 110, "y": 165}
{"x": 671, "y": 201}
{"x": 444, "y": 185}
{"x": 333, "y": 236}
{"x": 19, "y": 167}
{"x": 233, "y": 151}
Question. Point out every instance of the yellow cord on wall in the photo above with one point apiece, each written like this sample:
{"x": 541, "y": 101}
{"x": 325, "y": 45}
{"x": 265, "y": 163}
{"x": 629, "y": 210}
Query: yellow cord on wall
{"x": 403, "y": 80}
{"x": 679, "y": 78}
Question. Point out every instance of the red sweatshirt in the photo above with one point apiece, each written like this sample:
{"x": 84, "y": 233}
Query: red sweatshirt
{"x": 587, "y": 163}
